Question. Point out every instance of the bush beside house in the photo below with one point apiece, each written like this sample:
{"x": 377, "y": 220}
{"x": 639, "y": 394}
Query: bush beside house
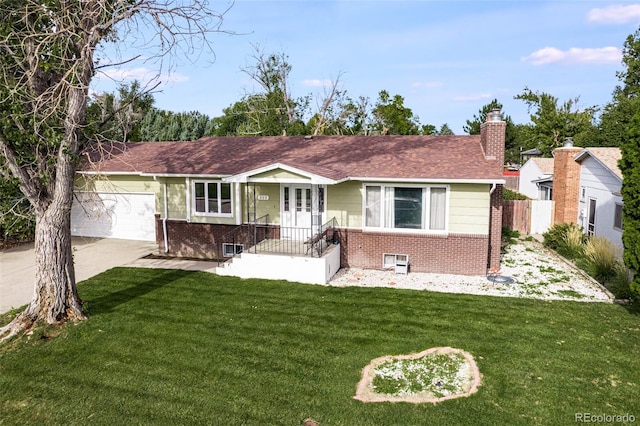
{"x": 597, "y": 256}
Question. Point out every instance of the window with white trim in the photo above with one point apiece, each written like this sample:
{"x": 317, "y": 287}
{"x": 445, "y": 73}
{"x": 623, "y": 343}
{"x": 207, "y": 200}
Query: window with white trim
{"x": 406, "y": 207}
{"x": 212, "y": 198}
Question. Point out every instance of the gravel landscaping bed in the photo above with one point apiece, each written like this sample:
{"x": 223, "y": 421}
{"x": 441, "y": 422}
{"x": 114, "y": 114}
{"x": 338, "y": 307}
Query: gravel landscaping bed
{"x": 535, "y": 272}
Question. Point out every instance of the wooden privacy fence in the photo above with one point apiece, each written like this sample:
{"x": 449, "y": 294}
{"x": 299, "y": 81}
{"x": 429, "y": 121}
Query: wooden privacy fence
{"x": 528, "y": 216}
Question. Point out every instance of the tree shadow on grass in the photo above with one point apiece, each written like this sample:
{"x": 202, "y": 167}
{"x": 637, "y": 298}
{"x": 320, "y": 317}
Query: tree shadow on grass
{"x": 633, "y": 307}
{"x": 109, "y": 301}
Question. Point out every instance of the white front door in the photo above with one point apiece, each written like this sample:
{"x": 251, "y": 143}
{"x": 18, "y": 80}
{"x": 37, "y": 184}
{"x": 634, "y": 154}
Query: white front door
{"x": 302, "y": 210}
{"x": 296, "y": 211}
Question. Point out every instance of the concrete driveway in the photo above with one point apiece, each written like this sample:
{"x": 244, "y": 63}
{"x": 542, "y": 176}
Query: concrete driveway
{"x": 92, "y": 256}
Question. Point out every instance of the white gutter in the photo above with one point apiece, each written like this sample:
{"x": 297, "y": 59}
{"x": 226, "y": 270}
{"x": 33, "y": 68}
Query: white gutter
{"x": 422, "y": 180}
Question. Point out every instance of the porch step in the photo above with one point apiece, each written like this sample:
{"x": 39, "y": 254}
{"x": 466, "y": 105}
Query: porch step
{"x": 227, "y": 267}
{"x": 305, "y": 269}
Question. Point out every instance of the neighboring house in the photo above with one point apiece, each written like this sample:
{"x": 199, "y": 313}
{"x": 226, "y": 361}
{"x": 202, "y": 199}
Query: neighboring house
{"x": 531, "y": 153}
{"x": 586, "y": 186}
{"x": 325, "y": 202}
{"x": 600, "y": 201}
{"x": 536, "y": 178}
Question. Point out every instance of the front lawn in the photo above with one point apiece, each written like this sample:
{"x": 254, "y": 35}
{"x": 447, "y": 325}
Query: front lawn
{"x": 177, "y": 347}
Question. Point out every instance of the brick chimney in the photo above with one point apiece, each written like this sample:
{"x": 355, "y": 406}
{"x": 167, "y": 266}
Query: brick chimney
{"x": 566, "y": 183}
{"x": 492, "y": 138}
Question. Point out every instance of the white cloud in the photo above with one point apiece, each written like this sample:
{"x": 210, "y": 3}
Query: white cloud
{"x": 427, "y": 84}
{"x": 615, "y": 14}
{"x": 316, "y": 83}
{"x": 575, "y": 55}
{"x": 473, "y": 97}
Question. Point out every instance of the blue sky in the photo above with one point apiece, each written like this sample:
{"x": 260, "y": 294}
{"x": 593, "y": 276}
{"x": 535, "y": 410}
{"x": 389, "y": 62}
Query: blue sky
{"x": 446, "y": 58}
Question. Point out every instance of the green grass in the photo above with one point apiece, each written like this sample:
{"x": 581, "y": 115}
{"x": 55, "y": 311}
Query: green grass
{"x": 176, "y": 347}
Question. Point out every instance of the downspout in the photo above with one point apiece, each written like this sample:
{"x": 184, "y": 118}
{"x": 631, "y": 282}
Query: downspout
{"x": 493, "y": 188}
{"x": 164, "y": 220}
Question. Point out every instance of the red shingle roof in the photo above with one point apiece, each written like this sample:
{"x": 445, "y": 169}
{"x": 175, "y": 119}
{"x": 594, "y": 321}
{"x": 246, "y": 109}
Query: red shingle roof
{"x": 333, "y": 157}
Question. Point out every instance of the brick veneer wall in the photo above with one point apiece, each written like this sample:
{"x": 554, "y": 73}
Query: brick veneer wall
{"x": 200, "y": 240}
{"x": 495, "y": 226}
{"x": 566, "y": 184}
{"x": 452, "y": 254}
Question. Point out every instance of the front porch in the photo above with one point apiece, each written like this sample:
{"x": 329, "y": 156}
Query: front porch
{"x": 262, "y": 250}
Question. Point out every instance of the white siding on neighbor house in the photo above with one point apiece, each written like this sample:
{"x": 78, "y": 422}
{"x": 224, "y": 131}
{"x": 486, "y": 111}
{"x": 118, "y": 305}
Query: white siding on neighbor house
{"x": 528, "y": 173}
{"x": 600, "y": 184}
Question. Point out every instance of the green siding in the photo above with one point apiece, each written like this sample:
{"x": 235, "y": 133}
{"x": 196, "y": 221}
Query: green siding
{"x": 468, "y": 203}
{"x": 469, "y": 209}
{"x": 176, "y": 197}
{"x": 468, "y": 206}
{"x": 280, "y": 174}
{"x": 344, "y": 202}
{"x": 122, "y": 183}
{"x": 270, "y": 206}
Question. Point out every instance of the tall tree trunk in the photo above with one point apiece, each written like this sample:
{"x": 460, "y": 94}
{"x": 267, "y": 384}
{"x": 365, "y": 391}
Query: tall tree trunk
{"x": 55, "y": 298}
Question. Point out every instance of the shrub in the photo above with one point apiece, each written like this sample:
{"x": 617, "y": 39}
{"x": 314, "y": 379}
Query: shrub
{"x": 600, "y": 258}
{"x": 574, "y": 241}
{"x": 557, "y": 237}
{"x": 508, "y": 237}
{"x": 620, "y": 282}
{"x": 508, "y": 194}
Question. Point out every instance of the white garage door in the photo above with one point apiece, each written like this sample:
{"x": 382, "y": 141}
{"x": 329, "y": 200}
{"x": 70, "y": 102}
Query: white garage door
{"x": 110, "y": 215}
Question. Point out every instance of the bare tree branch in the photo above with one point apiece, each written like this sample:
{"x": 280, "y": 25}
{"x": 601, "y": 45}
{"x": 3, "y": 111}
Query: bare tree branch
{"x": 326, "y": 104}
{"x": 48, "y": 57}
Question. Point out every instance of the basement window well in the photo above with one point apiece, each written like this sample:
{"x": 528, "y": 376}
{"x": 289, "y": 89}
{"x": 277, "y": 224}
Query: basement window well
{"x": 230, "y": 250}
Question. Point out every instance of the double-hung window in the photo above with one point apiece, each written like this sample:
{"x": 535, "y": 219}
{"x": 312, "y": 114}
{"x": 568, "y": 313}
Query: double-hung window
{"x": 212, "y": 198}
{"x": 406, "y": 207}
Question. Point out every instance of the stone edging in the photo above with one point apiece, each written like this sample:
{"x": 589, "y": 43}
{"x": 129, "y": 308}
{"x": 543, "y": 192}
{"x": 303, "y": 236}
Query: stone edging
{"x": 365, "y": 392}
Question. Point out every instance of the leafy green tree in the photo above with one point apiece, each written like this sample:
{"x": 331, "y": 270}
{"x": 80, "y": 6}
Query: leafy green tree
{"x": 47, "y": 61}
{"x": 354, "y": 117}
{"x": 445, "y": 130}
{"x": 118, "y": 117}
{"x": 553, "y": 123}
{"x": 615, "y": 120}
{"x": 428, "y": 129}
{"x": 17, "y": 221}
{"x": 391, "y": 117}
{"x": 630, "y": 167}
{"x": 473, "y": 126}
{"x": 161, "y": 125}
{"x": 272, "y": 111}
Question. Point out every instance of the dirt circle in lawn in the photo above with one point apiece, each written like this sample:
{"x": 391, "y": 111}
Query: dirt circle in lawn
{"x": 433, "y": 375}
